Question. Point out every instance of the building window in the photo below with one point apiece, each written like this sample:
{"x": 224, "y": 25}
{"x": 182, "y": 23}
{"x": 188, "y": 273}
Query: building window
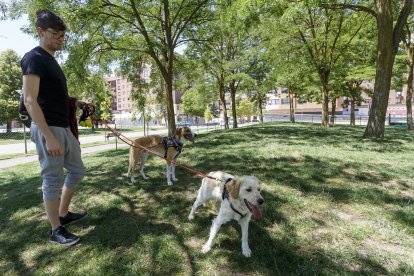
{"x": 285, "y": 101}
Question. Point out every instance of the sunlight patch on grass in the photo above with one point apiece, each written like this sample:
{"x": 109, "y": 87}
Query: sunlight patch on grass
{"x": 27, "y": 214}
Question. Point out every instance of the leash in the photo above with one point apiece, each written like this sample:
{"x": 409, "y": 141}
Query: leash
{"x": 126, "y": 140}
{"x": 132, "y": 143}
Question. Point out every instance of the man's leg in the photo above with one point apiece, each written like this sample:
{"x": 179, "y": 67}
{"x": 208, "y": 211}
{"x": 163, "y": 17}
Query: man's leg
{"x": 52, "y": 212}
{"x": 67, "y": 194}
{"x": 75, "y": 172}
{"x": 53, "y": 178}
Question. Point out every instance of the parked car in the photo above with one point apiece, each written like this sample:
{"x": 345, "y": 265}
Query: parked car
{"x": 187, "y": 124}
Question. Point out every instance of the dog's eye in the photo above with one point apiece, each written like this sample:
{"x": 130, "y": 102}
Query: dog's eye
{"x": 249, "y": 190}
{"x": 258, "y": 189}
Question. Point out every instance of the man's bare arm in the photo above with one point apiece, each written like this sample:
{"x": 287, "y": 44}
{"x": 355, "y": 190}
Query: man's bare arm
{"x": 30, "y": 93}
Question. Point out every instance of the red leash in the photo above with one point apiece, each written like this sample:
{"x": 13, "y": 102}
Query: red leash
{"x": 135, "y": 144}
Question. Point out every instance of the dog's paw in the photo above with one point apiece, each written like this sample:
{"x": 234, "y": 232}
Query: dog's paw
{"x": 175, "y": 179}
{"x": 247, "y": 252}
{"x": 191, "y": 217}
{"x": 133, "y": 180}
{"x": 206, "y": 248}
{"x": 146, "y": 177}
{"x": 170, "y": 183}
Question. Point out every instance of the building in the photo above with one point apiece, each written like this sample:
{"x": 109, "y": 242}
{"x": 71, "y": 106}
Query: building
{"x": 122, "y": 105}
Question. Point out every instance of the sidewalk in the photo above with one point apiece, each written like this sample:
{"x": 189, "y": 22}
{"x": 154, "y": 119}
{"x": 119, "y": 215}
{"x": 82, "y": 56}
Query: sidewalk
{"x": 18, "y": 148}
{"x": 10, "y": 162}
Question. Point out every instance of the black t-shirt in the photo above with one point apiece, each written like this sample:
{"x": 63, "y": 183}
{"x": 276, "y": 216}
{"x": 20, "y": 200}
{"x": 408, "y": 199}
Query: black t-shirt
{"x": 53, "y": 92}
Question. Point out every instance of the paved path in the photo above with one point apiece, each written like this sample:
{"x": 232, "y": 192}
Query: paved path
{"x": 19, "y": 147}
{"x": 6, "y": 163}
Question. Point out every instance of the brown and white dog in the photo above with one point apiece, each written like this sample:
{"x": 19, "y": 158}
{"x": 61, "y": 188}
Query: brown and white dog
{"x": 168, "y": 147}
{"x": 239, "y": 196}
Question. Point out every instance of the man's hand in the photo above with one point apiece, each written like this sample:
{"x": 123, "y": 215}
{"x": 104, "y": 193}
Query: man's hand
{"x": 53, "y": 146}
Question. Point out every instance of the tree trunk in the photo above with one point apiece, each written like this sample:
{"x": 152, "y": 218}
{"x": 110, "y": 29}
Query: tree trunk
{"x": 352, "y": 121}
{"x": 223, "y": 102}
{"x": 291, "y": 107}
{"x": 333, "y": 113}
{"x": 325, "y": 98}
{"x": 260, "y": 109}
{"x": 388, "y": 40}
{"x": 143, "y": 119}
{"x": 170, "y": 105}
{"x": 233, "y": 103}
{"x": 409, "y": 95}
{"x": 8, "y": 127}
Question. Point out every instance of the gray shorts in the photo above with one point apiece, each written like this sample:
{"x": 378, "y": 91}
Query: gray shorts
{"x": 52, "y": 167}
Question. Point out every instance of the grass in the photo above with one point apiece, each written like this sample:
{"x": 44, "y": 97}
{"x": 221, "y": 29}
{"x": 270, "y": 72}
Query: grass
{"x": 334, "y": 204}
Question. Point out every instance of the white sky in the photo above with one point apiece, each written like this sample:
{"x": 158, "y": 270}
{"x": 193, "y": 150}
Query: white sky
{"x": 11, "y": 37}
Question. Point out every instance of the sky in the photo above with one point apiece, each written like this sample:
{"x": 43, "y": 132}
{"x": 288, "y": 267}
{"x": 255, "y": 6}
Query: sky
{"x": 11, "y": 37}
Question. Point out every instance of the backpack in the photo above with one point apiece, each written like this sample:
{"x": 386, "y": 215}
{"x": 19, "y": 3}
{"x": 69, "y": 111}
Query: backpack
{"x": 23, "y": 114}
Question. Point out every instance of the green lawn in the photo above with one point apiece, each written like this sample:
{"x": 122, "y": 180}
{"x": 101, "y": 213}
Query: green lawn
{"x": 334, "y": 204}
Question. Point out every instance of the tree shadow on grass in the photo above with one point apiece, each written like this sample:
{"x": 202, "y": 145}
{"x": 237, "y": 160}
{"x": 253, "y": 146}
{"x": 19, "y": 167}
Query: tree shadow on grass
{"x": 20, "y": 225}
{"x": 144, "y": 228}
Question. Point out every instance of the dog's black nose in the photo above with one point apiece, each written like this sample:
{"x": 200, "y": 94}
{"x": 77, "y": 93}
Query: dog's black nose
{"x": 195, "y": 135}
{"x": 260, "y": 201}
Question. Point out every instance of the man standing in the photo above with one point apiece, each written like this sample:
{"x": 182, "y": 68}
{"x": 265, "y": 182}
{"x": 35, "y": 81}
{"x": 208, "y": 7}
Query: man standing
{"x": 47, "y": 101}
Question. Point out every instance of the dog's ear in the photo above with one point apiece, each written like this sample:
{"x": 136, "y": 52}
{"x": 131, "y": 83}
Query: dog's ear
{"x": 234, "y": 188}
{"x": 179, "y": 132}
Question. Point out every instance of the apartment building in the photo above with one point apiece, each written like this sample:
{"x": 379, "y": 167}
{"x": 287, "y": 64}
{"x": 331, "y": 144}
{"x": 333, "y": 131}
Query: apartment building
{"x": 279, "y": 103}
{"x": 122, "y": 104}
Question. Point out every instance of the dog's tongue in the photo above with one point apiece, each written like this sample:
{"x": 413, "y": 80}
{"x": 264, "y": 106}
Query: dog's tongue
{"x": 256, "y": 212}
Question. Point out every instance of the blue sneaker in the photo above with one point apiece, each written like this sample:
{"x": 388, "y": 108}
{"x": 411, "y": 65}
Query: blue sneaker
{"x": 72, "y": 217}
{"x": 61, "y": 236}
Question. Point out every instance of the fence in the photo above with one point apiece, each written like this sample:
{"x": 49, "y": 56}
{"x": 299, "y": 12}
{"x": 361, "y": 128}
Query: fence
{"x": 17, "y": 141}
{"x": 315, "y": 118}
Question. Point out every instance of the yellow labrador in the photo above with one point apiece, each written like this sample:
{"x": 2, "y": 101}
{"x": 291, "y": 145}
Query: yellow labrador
{"x": 240, "y": 198}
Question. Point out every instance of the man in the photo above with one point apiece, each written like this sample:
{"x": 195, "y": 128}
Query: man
{"x": 46, "y": 99}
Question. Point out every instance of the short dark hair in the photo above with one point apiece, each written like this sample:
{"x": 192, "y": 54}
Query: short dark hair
{"x": 47, "y": 19}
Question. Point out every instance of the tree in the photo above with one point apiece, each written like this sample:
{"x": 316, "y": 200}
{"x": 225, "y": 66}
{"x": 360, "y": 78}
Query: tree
{"x": 245, "y": 108}
{"x": 102, "y": 31}
{"x": 222, "y": 53}
{"x": 326, "y": 36}
{"x": 389, "y": 36}
{"x": 207, "y": 114}
{"x": 10, "y": 83}
{"x": 408, "y": 41}
{"x": 194, "y": 101}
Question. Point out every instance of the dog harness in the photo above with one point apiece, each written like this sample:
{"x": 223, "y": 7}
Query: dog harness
{"x": 171, "y": 142}
{"x": 225, "y": 195}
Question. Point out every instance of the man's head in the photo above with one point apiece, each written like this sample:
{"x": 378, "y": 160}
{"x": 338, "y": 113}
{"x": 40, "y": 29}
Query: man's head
{"x": 51, "y": 30}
